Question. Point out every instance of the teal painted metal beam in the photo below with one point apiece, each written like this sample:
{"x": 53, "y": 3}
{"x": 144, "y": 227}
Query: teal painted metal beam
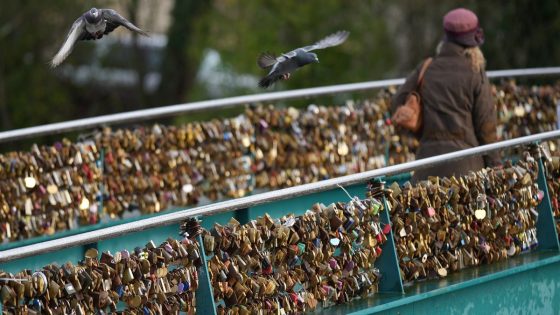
{"x": 388, "y": 262}
{"x": 531, "y": 292}
{"x": 487, "y": 286}
{"x": 73, "y": 254}
{"x": 546, "y": 224}
{"x": 204, "y": 293}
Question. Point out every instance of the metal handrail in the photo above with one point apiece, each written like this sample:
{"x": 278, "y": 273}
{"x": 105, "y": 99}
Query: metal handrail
{"x": 249, "y": 201}
{"x": 152, "y": 113}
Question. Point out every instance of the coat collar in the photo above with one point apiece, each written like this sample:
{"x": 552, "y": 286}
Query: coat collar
{"x": 451, "y": 49}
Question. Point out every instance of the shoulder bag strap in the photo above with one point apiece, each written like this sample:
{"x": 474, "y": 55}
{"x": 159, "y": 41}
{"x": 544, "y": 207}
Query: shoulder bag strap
{"x": 422, "y": 72}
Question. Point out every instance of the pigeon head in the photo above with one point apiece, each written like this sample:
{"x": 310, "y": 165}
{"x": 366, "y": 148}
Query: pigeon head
{"x": 306, "y": 58}
{"x": 315, "y": 58}
{"x": 93, "y": 16}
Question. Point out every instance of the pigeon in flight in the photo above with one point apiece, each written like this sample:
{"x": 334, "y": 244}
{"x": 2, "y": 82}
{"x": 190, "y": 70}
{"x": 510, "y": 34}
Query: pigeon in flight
{"x": 92, "y": 25}
{"x": 282, "y": 66}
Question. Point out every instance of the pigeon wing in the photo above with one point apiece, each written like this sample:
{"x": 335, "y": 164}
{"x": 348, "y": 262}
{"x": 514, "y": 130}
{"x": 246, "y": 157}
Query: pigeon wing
{"x": 288, "y": 55}
{"x": 329, "y": 41}
{"x": 115, "y": 20}
{"x": 76, "y": 32}
{"x": 266, "y": 60}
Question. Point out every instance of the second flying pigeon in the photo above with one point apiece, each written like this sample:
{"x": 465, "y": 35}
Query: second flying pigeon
{"x": 282, "y": 66}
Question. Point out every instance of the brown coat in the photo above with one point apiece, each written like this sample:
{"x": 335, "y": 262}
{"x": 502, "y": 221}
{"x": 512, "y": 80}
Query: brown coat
{"x": 458, "y": 112}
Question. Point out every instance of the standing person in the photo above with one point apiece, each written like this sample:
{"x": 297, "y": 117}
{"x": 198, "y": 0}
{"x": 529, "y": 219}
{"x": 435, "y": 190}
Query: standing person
{"x": 457, "y": 106}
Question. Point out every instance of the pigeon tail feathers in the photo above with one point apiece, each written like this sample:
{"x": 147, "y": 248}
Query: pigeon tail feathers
{"x": 268, "y": 81}
{"x": 266, "y": 60}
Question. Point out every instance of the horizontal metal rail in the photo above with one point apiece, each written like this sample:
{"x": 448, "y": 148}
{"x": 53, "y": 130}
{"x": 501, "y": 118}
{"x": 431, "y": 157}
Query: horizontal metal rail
{"x": 250, "y": 201}
{"x": 523, "y": 72}
{"x": 152, "y": 113}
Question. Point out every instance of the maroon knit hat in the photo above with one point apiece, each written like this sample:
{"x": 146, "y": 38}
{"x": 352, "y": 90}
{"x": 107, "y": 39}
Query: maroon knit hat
{"x": 461, "y": 27}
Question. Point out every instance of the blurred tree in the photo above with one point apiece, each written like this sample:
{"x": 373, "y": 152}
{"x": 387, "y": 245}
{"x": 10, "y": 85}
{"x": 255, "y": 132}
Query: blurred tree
{"x": 520, "y": 34}
{"x": 138, "y": 59}
{"x": 415, "y": 30}
{"x": 30, "y": 31}
{"x": 180, "y": 63}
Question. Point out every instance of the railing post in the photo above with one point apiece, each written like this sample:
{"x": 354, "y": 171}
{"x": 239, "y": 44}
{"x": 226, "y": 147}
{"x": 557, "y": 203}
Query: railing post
{"x": 387, "y": 155}
{"x": 242, "y": 215}
{"x": 546, "y": 225}
{"x": 204, "y": 294}
{"x": 388, "y": 262}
